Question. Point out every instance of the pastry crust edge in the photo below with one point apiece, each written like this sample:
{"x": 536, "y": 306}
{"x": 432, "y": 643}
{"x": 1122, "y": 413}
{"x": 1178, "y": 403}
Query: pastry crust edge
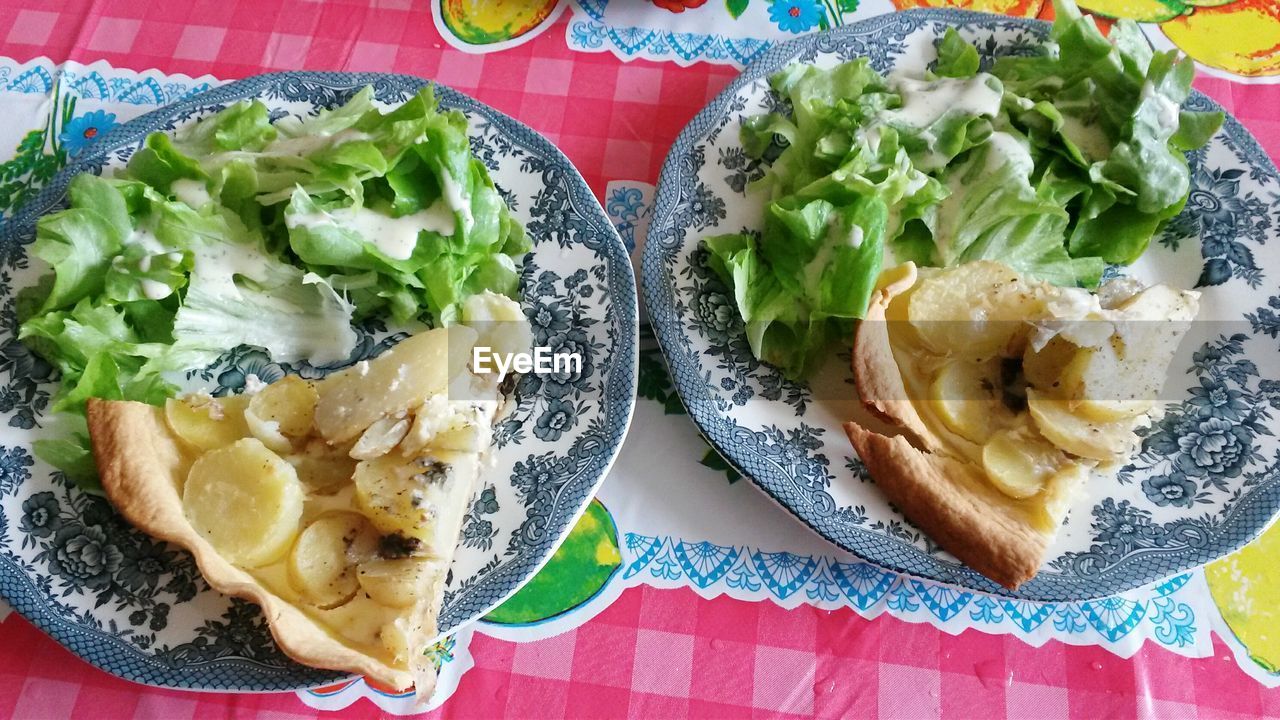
{"x": 943, "y": 496}
{"x": 138, "y": 461}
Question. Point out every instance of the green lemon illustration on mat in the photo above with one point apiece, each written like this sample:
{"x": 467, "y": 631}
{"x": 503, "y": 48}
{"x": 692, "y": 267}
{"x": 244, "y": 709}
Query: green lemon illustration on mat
{"x": 1246, "y": 588}
{"x": 577, "y": 571}
{"x": 485, "y": 23}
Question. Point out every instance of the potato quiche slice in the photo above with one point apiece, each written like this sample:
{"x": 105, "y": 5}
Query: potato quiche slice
{"x": 334, "y": 504}
{"x": 1004, "y": 397}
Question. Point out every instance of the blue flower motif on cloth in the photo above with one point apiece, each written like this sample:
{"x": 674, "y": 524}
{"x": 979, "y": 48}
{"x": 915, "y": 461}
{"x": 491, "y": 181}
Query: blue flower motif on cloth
{"x": 902, "y": 599}
{"x": 944, "y": 601}
{"x": 1068, "y": 619}
{"x": 1173, "y": 584}
{"x": 1174, "y": 622}
{"x": 827, "y": 581}
{"x": 648, "y": 549}
{"x": 34, "y": 80}
{"x": 587, "y": 34}
{"x": 80, "y": 131}
{"x": 705, "y": 563}
{"x": 743, "y": 577}
{"x": 784, "y": 572}
{"x": 822, "y": 588}
{"x": 665, "y": 566}
{"x": 863, "y": 583}
{"x": 1113, "y": 617}
{"x": 589, "y": 31}
{"x": 1027, "y": 615}
{"x": 795, "y": 16}
{"x": 986, "y": 610}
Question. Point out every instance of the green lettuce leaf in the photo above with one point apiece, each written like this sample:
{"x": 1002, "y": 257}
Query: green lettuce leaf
{"x": 956, "y": 58}
{"x": 240, "y": 231}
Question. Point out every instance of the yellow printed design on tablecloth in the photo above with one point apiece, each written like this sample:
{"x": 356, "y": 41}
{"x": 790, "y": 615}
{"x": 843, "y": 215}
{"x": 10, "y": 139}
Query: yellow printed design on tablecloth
{"x": 1242, "y": 37}
{"x": 1246, "y": 587}
{"x": 1017, "y": 8}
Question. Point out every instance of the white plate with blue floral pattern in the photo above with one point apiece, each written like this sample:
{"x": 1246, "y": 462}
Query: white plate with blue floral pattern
{"x": 138, "y": 608}
{"x": 1207, "y": 478}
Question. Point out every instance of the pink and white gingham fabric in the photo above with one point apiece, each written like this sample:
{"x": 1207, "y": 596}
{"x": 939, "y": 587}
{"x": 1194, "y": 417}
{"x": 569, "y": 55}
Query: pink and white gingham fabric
{"x": 652, "y": 653}
{"x": 668, "y": 653}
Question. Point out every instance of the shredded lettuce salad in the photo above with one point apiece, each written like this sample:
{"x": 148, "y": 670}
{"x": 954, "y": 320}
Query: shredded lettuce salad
{"x": 1055, "y": 164}
{"x": 238, "y": 230}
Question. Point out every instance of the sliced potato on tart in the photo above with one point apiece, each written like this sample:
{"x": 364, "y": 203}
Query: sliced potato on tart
{"x": 1008, "y": 394}
{"x": 311, "y": 499}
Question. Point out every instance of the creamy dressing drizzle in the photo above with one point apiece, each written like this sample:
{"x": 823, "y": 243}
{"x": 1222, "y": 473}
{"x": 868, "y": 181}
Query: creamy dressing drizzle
{"x": 191, "y": 192}
{"x": 289, "y": 147}
{"x": 454, "y": 196}
{"x": 143, "y": 238}
{"x": 307, "y": 144}
{"x": 395, "y": 237}
{"x": 217, "y": 265}
{"x": 924, "y": 102}
{"x": 1166, "y": 109}
{"x": 1003, "y": 148}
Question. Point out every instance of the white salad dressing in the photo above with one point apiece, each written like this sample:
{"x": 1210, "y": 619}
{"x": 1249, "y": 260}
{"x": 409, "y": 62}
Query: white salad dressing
{"x": 288, "y": 147}
{"x": 395, "y": 237}
{"x": 191, "y": 192}
{"x": 1004, "y": 148}
{"x": 870, "y": 136}
{"x": 924, "y": 102}
{"x": 144, "y": 238}
{"x": 944, "y": 216}
{"x": 151, "y": 245}
{"x": 915, "y": 182}
{"x": 154, "y": 289}
{"x": 398, "y": 237}
{"x": 307, "y": 144}
{"x": 453, "y": 195}
{"x": 217, "y": 265}
{"x": 1166, "y": 110}
{"x": 837, "y": 236}
{"x": 855, "y": 236}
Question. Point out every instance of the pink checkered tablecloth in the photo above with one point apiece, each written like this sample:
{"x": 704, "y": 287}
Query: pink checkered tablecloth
{"x": 668, "y": 653}
{"x": 651, "y": 653}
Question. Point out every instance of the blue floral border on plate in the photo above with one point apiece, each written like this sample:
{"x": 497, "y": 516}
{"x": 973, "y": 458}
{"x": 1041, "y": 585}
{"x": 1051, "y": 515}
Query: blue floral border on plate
{"x": 594, "y": 452}
{"x": 750, "y": 452}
